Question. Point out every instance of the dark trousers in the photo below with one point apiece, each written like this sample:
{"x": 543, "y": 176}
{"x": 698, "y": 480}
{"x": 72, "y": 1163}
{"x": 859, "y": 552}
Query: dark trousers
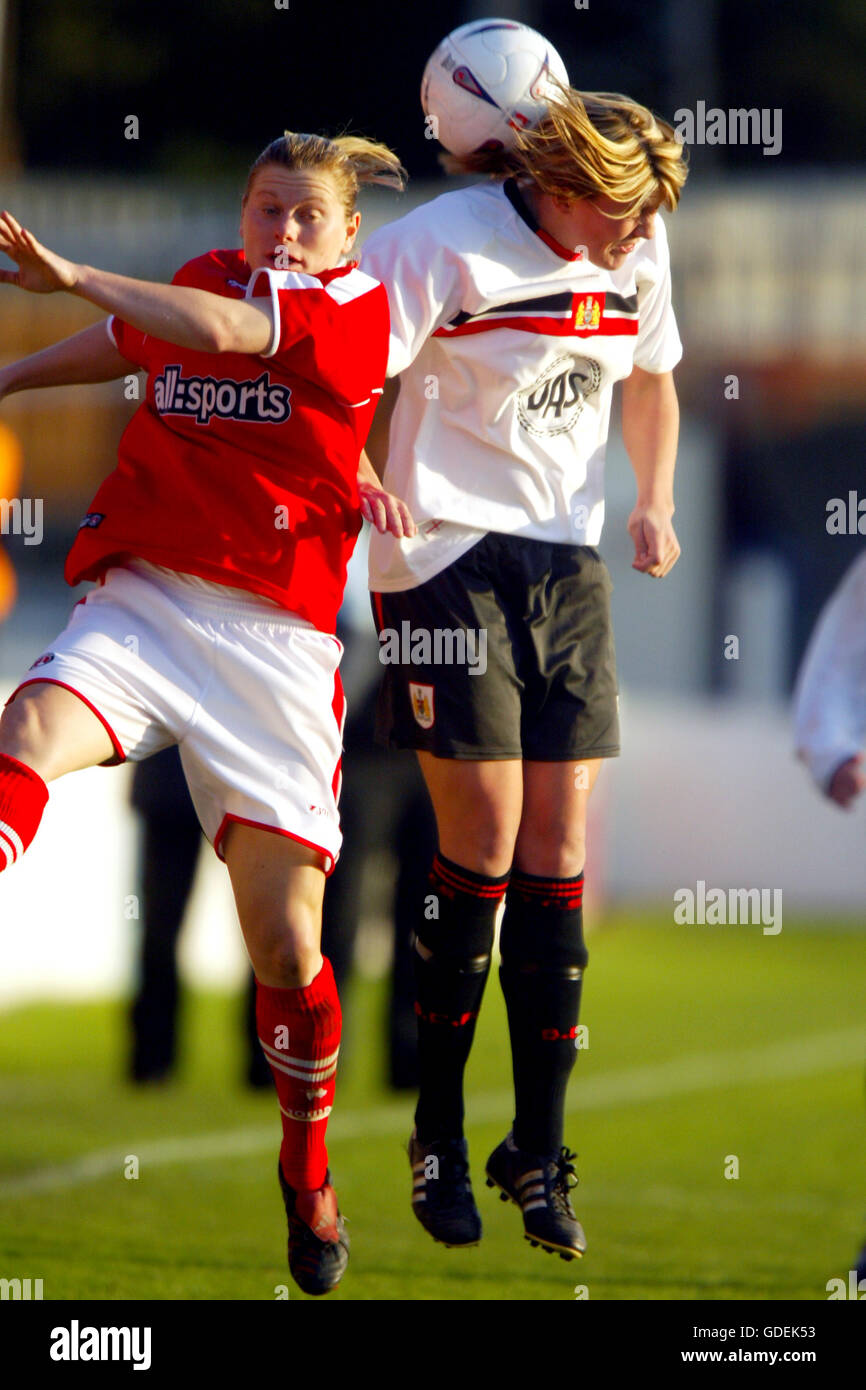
{"x": 170, "y": 845}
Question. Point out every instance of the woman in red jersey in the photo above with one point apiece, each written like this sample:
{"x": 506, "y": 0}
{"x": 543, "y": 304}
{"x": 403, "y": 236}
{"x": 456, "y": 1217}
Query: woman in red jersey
{"x": 219, "y": 544}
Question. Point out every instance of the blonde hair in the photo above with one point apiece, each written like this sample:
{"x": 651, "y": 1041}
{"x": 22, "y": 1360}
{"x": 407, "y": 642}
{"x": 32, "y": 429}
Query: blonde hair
{"x": 350, "y": 160}
{"x": 591, "y": 144}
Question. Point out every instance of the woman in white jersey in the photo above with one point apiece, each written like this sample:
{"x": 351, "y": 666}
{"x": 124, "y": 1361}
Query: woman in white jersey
{"x": 220, "y": 545}
{"x": 516, "y": 304}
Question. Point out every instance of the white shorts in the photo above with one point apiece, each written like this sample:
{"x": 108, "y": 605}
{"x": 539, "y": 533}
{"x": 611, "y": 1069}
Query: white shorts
{"x": 250, "y": 694}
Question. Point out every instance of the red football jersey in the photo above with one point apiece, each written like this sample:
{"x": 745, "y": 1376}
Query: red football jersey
{"x": 242, "y": 469}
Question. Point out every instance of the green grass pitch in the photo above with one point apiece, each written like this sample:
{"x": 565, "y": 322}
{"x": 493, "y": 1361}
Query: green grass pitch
{"x": 706, "y": 1045}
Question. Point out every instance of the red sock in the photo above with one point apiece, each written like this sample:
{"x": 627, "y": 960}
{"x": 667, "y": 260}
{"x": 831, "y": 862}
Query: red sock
{"x": 23, "y": 796}
{"x": 299, "y": 1030}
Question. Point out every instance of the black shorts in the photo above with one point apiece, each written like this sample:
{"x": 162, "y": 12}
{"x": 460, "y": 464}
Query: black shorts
{"x": 507, "y": 653}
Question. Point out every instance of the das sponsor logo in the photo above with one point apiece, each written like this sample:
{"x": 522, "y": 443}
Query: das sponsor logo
{"x": 554, "y": 403}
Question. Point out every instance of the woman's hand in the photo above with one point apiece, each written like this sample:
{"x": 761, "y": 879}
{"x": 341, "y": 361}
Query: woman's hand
{"x": 39, "y": 270}
{"x": 178, "y": 314}
{"x": 380, "y": 507}
{"x": 847, "y": 782}
{"x": 385, "y": 511}
{"x": 650, "y": 424}
{"x": 656, "y": 548}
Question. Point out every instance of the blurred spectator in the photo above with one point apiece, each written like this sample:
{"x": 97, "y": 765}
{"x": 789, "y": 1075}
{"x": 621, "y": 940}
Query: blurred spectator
{"x": 830, "y": 704}
{"x": 830, "y": 698}
{"x": 171, "y": 839}
{"x": 383, "y": 806}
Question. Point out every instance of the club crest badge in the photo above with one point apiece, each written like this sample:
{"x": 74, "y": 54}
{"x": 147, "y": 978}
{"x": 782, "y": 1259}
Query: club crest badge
{"x": 422, "y": 704}
{"x": 587, "y": 312}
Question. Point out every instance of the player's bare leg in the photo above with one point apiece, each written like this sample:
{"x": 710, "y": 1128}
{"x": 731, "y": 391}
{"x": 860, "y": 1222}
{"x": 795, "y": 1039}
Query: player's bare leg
{"x": 278, "y": 885}
{"x": 53, "y": 731}
{"x": 44, "y": 733}
{"x": 551, "y": 841}
{"x": 478, "y": 808}
{"x": 543, "y": 959}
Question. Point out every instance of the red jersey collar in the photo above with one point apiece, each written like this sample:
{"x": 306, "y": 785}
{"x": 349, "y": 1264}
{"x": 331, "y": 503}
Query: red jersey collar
{"x": 326, "y": 276}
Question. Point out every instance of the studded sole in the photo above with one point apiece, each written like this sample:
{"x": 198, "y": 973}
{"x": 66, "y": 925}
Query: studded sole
{"x": 564, "y": 1252}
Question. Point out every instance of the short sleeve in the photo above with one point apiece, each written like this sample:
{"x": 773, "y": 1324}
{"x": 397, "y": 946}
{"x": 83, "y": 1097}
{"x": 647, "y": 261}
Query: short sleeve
{"x": 658, "y": 348}
{"x": 334, "y": 334}
{"x": 130, "y": 342}
{"x": 422, "y": 276}
{"x": 279, "y": 286}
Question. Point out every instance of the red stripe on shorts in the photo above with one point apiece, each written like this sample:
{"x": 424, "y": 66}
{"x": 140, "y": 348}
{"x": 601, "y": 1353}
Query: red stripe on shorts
{"x": 338, "y": 705}
{"x": 229, "y": 819}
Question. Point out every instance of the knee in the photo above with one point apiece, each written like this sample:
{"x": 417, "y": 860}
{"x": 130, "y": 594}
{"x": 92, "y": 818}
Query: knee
{"x": 287, "y": 966}
{"x": 483, "y": 843}
{"x": 550, "y": 849}
{"x": 285, "y": 949}
{"x": 20, "y": 725}
{"x": 52, "y": 732}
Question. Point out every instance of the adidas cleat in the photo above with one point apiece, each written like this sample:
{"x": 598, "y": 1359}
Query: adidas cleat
{"x": 318, "y": 1242}
{"x": 540, "y": 1186}
{"x": 442, "y": 1193}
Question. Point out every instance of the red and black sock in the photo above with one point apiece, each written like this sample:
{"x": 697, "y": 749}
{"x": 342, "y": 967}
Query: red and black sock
{"x": 23, "y": 797}
{"x": 453, "y": 944}
{"x": 543, "y": 960}
{"x": 299, "y": 1030}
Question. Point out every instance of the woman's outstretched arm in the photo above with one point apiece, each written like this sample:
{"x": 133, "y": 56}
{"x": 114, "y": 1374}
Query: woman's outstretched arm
{"x": 88, "y": 356}
{"x": 186, "y": 317}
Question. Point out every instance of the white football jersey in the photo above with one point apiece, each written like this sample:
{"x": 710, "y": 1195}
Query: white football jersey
{"x": 830, "y": 698}
{"x": 507, "y": 346}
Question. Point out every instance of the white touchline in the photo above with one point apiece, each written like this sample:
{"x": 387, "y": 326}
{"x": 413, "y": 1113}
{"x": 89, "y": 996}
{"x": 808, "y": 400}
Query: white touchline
{"x": 801, "y": 1056}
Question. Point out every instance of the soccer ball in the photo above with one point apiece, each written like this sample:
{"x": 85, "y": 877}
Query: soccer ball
{"x": 485, "y": 81}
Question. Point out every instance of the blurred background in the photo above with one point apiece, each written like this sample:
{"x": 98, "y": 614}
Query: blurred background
{"x": 126, "y": 133}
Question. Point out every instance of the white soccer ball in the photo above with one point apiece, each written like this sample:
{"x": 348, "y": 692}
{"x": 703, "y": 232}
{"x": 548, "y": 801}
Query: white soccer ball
{"x": 486, "y": 80}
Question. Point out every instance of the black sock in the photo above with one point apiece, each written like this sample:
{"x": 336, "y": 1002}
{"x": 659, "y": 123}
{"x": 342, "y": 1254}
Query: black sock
{"x": 453, "y": 943}
{"x": 543, "y": 959}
